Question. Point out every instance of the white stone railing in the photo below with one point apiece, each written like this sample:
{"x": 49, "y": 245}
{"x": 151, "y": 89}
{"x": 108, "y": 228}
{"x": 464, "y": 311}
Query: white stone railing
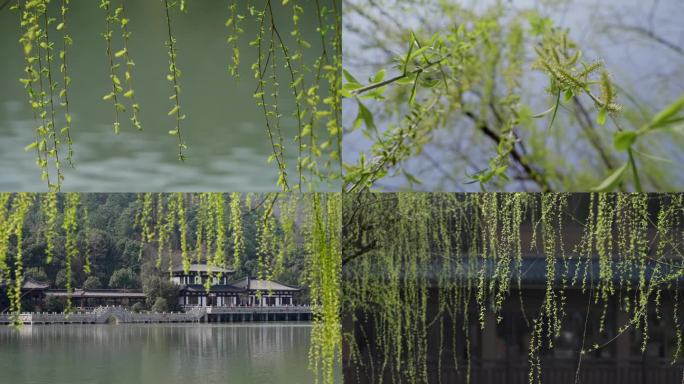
{"x": 101, "y": 315}
{"x": 60, "y": 318}
{"x": 271, "y": 309}
{"x": 6, "y": 318}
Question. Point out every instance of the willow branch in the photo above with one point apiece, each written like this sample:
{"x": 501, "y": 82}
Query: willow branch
{"x": 394, "y": 79}
{"x": 649, "y": 34}
{"x": 519, "y": 158}
{"x": 590, "y": 131}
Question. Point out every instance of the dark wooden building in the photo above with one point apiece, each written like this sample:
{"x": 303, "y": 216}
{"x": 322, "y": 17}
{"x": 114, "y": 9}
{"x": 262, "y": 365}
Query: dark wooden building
{"x": 89, "y": 298}
{"x": 221, "y": 293}
{"x": 198, "y": 274}
{"x": 192, "y": 291}
{"x": 265, "y": 293}
{"x": 192, "y": 288}
{"x": 35, "y": 293}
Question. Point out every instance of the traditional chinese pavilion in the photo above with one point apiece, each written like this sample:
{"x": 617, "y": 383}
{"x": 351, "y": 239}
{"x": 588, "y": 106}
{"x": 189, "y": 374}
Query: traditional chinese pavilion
{"x": 221, "y": 293}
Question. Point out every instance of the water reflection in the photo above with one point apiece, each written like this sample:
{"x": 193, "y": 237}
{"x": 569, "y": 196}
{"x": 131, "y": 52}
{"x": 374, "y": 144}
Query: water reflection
{"x": 253, "y": 353}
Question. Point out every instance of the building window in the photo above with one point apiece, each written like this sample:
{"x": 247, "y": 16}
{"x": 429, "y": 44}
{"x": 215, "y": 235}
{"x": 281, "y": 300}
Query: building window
{"x": 198, "y": 280}
{"x": 192, "y": 300}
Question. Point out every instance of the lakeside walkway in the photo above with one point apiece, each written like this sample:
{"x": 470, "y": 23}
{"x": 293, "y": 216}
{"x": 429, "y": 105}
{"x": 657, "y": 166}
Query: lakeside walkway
{"x": 116, "y": 314}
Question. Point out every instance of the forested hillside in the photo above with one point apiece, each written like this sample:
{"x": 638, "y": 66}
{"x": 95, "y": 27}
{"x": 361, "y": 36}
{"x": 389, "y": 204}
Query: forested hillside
{"x": 112, "y": 241}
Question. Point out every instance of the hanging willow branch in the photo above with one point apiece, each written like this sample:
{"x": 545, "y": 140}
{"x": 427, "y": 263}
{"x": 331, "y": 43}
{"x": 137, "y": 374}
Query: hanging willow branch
{"x": 174, "y": 75}
{"x": 66, "y": 79}
{"x": 279, "y": 44}
{"x": 49, "y": 211}
{"x": 234, "y": 24}
{"x": 312, "y": 112}
{"x": 120, "y": 59}
{"x": 41, "y": 85}
{"x": 402, "y": 250}
{"x": 14, "y": 210}
{"x": 70, "y": 226}
{"x": 324, "y": 272}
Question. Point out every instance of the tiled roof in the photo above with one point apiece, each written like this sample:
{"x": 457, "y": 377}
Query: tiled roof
{"x": 264, "y": 285}
{"x": 28, "y": 284}
{"x": 34, "y": 284}
{"x": 203, "y": 268}
{"x": 213, "y": 288}
{"x": 97, "y": 293}
{"x": 532, "y": 271}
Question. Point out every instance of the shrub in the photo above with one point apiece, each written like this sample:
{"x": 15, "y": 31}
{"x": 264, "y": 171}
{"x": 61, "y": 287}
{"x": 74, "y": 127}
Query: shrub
{"x": 55, "y": 304}
{"x": 160, "y": 305}
{"x": 92, "y": 282}
{"x": 123, "y": 278}
{"x": 138, "y": 307}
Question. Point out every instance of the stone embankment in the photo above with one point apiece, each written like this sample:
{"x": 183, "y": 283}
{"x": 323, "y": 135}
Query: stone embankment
{"x": 115, "y": 314}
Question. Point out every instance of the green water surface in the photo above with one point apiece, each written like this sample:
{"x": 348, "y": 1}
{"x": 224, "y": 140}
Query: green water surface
{"x": 228, "y": 147}
{"x": 154, "y": 353}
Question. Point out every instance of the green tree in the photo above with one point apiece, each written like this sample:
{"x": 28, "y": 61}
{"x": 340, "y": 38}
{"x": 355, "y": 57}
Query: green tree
{"x": 36, "y": 273}
{"x": 60, "y": 279}
{"x": 123, "y": 278}
{"x": 160, "y": 287}
{"x": 138, "y": 307}
{"x": 55, "y": 304}
{"x": 92, "y": 282}
{"x": 160, "y": 305}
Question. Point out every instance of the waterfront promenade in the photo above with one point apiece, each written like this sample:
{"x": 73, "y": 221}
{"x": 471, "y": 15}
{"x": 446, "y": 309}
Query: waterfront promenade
{"x": 117, "y": 314}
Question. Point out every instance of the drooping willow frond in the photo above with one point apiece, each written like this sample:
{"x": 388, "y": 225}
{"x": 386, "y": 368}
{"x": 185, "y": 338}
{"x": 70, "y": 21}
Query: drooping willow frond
{"x": 464, "y": 253}
{"x": 174, "y": 75}
{"x": 311, "y": 81}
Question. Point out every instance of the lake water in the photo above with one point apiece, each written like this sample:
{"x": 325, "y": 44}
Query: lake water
{"x": 168, "y": 354}
{"x": 228, "y": 147}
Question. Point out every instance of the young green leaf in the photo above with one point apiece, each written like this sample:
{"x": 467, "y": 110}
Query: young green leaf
{"x": 412, "y": 98}
{"x": 408, "y": 54}
{"x": 612, "y": 181}
{"x": 31, "y": 146}
{"x": 349, "y": 77}
{"x": 411, "y": 178}
{"x": 366, "y": 115}
{"x": 663, "y": 117}
{"x": 542, "y": 114}
{"x": 602, "y": 115}
{"x": 624, "y": 140}
{"x": 379, "y": 76}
